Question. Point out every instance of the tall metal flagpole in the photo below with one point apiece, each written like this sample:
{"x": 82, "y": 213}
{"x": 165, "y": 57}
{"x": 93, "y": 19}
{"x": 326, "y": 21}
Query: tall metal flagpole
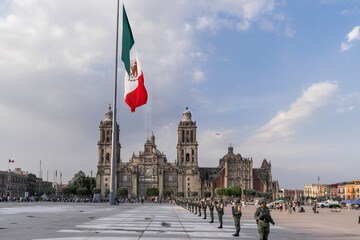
{"x": 114, "y": 140}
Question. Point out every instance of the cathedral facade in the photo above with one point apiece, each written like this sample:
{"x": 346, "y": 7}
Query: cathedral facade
{"x": 151, "y": 169}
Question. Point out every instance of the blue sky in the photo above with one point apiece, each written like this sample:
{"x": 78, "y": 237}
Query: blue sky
{"x": 277, "y": 79}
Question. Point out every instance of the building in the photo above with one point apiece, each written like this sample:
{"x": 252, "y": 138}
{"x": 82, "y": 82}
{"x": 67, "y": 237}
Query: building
{"x": 151, "y": 169}
{"x": 341, "y": 191}
{"x": 333, "y": 191}
{"x": 291, "y": 194}
{"x": 350, "y": 191}
{"x": 311, "y": 190}
{"x": 263, "y": 180}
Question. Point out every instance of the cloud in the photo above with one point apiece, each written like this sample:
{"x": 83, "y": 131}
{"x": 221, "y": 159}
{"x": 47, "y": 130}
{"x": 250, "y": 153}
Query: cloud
{"x": 289, "y": 32}
{"x": 351, "y": 38}
{"x": 285, "y": 124}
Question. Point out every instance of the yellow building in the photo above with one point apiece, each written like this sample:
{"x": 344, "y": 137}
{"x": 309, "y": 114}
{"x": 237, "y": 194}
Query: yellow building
{"x": 350, "y": 191}
{"x": 357, "y": 189}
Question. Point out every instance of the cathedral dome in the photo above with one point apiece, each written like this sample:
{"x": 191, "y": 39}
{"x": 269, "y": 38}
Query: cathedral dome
{"x": 108, "y": 114}
{"x": 186, "y": 115}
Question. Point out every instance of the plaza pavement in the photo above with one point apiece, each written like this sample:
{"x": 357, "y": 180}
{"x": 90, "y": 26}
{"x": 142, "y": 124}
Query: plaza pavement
{"x": 48, "y": 221}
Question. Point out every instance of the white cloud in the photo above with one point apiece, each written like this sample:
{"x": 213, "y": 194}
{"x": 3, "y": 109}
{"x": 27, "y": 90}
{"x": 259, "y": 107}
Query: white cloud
{"x": 198, "y": 75}
{"x": 351, "y": 38}
{"x": 289, "y": 32}
{"x": 285, "y": 124}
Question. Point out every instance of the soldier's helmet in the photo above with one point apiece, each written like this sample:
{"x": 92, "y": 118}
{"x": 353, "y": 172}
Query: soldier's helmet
{"x": 237, "y": 200}
{"x": 212, "y": 198}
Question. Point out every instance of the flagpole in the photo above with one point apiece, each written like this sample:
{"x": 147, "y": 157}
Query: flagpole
{"x": 114, "y": 140}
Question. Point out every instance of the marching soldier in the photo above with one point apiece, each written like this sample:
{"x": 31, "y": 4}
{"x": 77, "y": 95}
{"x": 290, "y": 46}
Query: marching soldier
{"x": 220, "y": 210}
{"x": 236, "y": 211}
{"x": 195, "y": 205}
{"x": 211, "y": 208}
{"x": 263, "y": 218}
{"x": 199, "y": 207}
{"x": 204, "y": 205}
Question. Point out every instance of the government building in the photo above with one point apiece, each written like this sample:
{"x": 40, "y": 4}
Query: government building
{"x": 151, "y": 169}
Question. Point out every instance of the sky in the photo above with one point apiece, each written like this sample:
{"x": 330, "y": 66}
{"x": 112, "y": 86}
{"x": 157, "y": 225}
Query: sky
{"x": 277, "y": 79}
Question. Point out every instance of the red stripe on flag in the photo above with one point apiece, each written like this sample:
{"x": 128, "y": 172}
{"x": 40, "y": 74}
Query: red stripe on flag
{"x": 137, "y": 97}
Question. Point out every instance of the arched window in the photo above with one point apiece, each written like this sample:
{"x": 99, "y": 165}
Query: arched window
{"x": 187, "y": 157}
{"x": 103, "y": 135}
{"x": 182, "y": 159}
{"x": 108, "y": 157}
{"x": 183, "y": 136}
{"x": 154, "y": 171}
{"x": 182, "y": 151}
{"x": 191, "y": 136}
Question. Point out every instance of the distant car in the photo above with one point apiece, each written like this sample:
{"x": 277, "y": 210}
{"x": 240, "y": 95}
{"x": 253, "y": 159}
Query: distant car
{"x": 329, "y": 204}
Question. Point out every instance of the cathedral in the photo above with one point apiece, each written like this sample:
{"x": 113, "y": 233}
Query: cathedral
{"x": 151, "y": 169}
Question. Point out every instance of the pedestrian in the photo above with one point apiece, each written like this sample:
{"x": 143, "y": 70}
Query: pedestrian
{"x": 236, "y": 211}
{"x": 263, "y": 218}
{"x": 220, "y": 211}
{"x": 195, "y": 206}
{"x": 204, "y": 206}
{"x": 314, "y": 207}
{"x": 211, "y": 208}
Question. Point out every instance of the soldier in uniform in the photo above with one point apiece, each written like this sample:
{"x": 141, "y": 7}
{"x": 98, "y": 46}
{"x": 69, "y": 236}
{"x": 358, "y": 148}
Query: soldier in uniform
{"x": 220, "y": 210}
{"x": 211, "y": 208}
{"x": 199, "y": 207}
{"x": 236, "y": 211}
{"x": 263, "y": 218}
{"x": 204, "y": 206}
{"x": 195, "y": 205}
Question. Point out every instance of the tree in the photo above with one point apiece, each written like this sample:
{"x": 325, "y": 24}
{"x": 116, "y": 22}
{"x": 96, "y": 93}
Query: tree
{"x": 227, "y": 192}
{"x": 49, "y": 191}
{"x": 167, "y": 193}
{"x": 180, "y": 194}
{"x": 82, "y": 182}
{"x": 96, "y": 190}
{"x": 194, "y": 194}
{"x": 152, "y": 192}
{"x": 81, "y": 191}
{"x": 68, "y": 191}
{"x": 235, "y": 191}
{"x": 249, "y": 193}
{"x": 122, "y": 192}
{"x": 207, "y": 194}
{"x": 220, "y": 191}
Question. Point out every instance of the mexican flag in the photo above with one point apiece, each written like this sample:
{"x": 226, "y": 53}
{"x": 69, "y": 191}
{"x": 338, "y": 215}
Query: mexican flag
{"x": 135, "y": 92}
{"x": 11, "y": 161}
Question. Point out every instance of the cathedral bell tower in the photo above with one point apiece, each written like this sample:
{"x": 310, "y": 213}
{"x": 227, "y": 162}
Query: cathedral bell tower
{"x": 187, "y": 156}
{"x": 104, "y": 153}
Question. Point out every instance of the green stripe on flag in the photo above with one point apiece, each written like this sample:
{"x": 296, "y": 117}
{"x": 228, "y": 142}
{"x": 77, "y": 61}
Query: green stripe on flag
{"x": 127, "y": 42}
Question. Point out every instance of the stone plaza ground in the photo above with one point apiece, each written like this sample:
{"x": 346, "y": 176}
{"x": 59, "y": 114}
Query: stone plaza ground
{"x": 60, "y": 221}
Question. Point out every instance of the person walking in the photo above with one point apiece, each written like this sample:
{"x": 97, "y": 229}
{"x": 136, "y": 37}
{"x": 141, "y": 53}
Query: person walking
{"x": 236, "y": 211}
{"x": 211, "y": 209}
{"x": 263, "y": 218}
{"x": 220, "y": 211}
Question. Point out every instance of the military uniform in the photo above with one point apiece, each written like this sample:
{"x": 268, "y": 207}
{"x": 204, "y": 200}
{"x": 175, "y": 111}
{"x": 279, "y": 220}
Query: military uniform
{"x": 263, "y": 217}
{"x": 211, "y": 208}
{"x": 236, "y": 211}
{"x": 220, "y": 210}
{"x": 195, "y": 206}
{"x": 199, "y": 207}
{"x": 204, "y": 205}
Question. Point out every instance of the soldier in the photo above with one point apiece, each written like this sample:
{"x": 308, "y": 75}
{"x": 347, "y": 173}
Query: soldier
{"x": 192, "y": 204}
{"x": 204, "y": 205}
{"x": 220, "y": 210}
{"x": 199, "y": 207}
{"x": 314, "y": 208}
{"x": 195, "y": 205}
{"x": 211, "y": 208}
{"x": 236, "y": 211}
{"x": 263, "y": 218}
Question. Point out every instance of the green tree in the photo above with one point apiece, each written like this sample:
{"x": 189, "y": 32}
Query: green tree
{"x": 180, "y": 194}
{"x": 194, "y": 194}
{"x": 207, "y": 194}
{"x": 96, "y": 190}
{"x": 49, "y": 191}
{"x": 152, "y": 192}
{"x": 68, "y": 191}
{"x": 81, "y": 191}
{"x": 235, "y": 191}
{"x": 249, "y": 193}
{"x": 167, "y": 193}
{"x": 220, "y": 191}
{"x": 122, "y": 192}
